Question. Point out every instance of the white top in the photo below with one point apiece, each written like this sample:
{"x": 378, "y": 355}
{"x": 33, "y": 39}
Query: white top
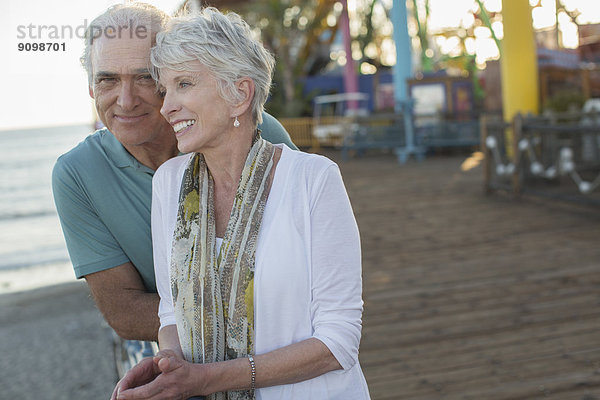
{"x": 307, "y": 281}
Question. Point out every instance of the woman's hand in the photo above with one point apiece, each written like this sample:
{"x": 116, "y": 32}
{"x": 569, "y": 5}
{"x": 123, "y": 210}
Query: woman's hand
{"x": 167, "y": 376}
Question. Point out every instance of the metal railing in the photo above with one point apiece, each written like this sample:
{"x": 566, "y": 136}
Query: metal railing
{"x": 555, "y": 156}
{"x": 378, "y": 131}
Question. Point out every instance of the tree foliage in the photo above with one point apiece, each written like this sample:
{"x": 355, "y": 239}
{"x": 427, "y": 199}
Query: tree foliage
{"x": 298, "y": 34}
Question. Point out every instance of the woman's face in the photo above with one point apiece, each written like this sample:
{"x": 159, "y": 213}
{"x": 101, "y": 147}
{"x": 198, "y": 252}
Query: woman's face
{"x": 200, "y": 117}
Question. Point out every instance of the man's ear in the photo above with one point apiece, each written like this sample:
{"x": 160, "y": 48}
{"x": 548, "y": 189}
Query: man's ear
{"x": 245, "y": 87}
{"x": 91, "y": 91}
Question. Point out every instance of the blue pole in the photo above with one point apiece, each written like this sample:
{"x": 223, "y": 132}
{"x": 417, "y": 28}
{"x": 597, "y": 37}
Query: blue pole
{"x": 402, "y": 72}
{"x": 403, "y": 67}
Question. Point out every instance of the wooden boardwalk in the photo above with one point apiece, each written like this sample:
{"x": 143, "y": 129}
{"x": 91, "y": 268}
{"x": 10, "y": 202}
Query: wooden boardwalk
{"x": 470, "y": 296}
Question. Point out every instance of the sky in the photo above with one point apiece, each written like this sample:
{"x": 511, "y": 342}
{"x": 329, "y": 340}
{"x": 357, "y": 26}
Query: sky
{"x": 49, "y": 88}
{"x": 454, "y": 13}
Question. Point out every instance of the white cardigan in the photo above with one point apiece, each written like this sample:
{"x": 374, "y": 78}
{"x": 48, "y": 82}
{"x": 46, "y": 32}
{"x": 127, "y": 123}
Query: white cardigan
{"x": 307, "y": 281}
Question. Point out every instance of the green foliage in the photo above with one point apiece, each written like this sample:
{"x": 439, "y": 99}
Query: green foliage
{"x": 296, "y": 32}
{"x": 299, "y": 106}
{"x": 565, "y": 100}
{"x": 427, "y": 63}
{"x": 371, "y": 33}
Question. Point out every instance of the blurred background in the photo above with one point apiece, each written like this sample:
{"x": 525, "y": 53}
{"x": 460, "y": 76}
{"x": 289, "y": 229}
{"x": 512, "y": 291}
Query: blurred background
{"x": 335, "y": 60}
{"x": 427, "y": 105}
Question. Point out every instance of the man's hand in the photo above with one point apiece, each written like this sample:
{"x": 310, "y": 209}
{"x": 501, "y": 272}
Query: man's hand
{"x": 144, "y": 372}
{"x": 169, "y": 377}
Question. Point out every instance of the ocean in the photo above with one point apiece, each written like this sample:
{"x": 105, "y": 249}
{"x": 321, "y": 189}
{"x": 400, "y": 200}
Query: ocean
{"x": 31, "y": 240}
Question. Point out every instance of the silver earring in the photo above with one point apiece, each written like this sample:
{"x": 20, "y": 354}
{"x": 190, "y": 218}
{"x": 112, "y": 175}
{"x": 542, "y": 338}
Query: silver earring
{"x": 236, "y": 123}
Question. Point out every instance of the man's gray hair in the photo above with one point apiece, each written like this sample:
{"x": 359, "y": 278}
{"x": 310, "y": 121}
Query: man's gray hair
{"x": 225, "y": 45}
{"x": 139, "y": 17}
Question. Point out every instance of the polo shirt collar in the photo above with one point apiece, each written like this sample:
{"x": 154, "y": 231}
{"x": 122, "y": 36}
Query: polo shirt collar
{"x": 119, "y": 154}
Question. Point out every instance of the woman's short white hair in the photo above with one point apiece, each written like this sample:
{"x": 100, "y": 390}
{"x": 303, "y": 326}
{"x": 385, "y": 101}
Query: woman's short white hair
{"x": 225, "y": 45}
{"x": 130, "y": 15}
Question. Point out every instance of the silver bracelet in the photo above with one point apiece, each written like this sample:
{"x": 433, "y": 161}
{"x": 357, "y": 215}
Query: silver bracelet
{"x": 253, "y": 371}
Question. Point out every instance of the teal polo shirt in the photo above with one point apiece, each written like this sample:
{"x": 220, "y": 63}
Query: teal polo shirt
{"x": 103, "y": 197}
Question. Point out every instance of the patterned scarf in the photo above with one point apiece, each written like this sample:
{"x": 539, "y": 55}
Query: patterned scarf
{"x": 213, "y": 294}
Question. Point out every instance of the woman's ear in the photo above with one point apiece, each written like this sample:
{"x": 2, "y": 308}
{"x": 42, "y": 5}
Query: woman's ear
{"x": 245, "y": 88}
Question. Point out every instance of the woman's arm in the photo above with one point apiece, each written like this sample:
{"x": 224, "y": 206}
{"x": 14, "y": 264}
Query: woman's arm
{"x": 294, "y": 363}
{"x": 336, "y": 281}
{"x": 168, "y": 340}
{"x": 178, "y": 378}
{"x": 290, "y": 364}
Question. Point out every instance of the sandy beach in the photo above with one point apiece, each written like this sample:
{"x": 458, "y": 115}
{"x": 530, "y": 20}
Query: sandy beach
{"x": 54, "y": 345}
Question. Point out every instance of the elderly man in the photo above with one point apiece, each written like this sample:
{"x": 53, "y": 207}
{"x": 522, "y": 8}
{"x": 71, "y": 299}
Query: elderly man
{"x": 102, "y": 187}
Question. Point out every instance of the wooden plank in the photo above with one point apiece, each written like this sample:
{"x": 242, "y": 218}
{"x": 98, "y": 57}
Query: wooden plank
{"x": 470, "y": 296}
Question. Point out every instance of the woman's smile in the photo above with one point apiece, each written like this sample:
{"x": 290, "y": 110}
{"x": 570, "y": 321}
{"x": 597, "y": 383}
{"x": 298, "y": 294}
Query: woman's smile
{"x": 181, "y": 127}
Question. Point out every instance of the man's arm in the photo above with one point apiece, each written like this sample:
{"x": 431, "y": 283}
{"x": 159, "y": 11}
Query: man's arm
{"x": 115, "y": 283}
{"x": 124, "y": 302}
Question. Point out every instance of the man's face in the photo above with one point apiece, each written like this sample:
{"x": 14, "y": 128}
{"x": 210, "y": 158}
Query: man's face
{"x": 126, "y": 97}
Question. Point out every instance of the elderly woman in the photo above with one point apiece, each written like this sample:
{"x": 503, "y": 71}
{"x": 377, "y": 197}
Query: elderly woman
{"x": 256, "y": 249}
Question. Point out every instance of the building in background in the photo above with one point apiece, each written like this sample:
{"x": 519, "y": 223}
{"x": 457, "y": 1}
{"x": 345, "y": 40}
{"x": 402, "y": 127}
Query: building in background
{"x": 589, "y": 43}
